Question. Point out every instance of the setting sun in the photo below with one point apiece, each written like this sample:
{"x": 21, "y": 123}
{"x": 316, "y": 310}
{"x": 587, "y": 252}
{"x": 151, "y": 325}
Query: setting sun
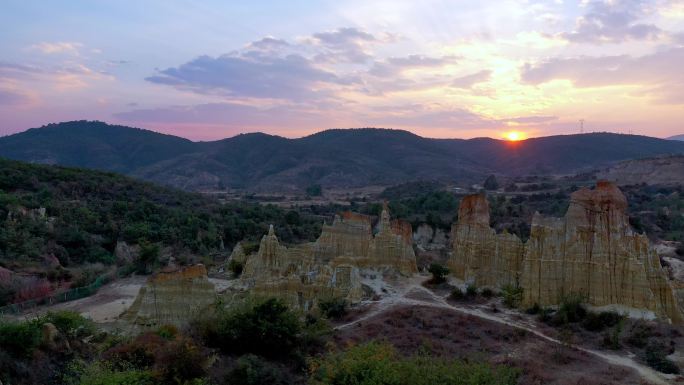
{"x": 514, "y": 136}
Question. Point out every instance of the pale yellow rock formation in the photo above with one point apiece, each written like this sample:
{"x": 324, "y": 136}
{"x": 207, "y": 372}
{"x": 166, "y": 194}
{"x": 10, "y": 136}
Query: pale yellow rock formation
{"x": 480, "y": 256}
{"x": 238, "y": 254}
{"x": 331, "y": 266}
{"x": 173, "y": 297}
{"x": 594, "y": 251}
{"x": 591, "y": 251}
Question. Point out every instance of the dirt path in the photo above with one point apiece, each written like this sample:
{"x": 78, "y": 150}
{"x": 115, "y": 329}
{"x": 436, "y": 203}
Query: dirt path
{"x": 420, "y": 295}
{"x": 102, "y": 307}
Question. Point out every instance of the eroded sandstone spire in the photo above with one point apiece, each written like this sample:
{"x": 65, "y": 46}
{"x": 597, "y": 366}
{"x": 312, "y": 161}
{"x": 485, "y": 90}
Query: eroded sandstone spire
{"x": 592, "y": 251}
{"x": 480, "y": 256}
{"x": 331, "y": 266}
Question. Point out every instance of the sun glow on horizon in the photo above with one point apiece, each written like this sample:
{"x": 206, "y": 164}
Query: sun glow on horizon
{"x": 514, "y": 136}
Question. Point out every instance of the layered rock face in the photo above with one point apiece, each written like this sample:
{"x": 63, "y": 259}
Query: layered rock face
{"x": 594, "y": 251}
{"x": 480, "y": 256}
{"x": 174, "y": 296}
{"x": 591, "y": 251}
{"x": 331, "y": 266}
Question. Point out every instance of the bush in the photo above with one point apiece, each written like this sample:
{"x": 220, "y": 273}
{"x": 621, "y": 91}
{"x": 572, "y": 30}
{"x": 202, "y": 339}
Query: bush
{"x": 333, "y": 308}
{"x": 20, "y": 338}
{"x": 235, "y": 267}
{"x": 597, "y": 322}
{"x": 253, "y": 370}
{"x": 137, "y": 354}
{"x": 438, "y": 272}
{"x": 471, "y": 291}
{"x": 456, "y": 294}
{"x": 512, "y": 295}
{"x": 535, "y": 309}
{"x": 639, "y": 334}
{"x": 267, "y": 328}
{"x": 102, "y": 373}
{"x": 379, "y": 363}
{"x": 545, "y": 315}
{"x": 570, "y": 310}
{"x": 180, "y": 361}
{"x": 70, "y": 323}
{"x": 487, "y": 293}
{"x": 167, "y": 332}
{"x": 612, "y": 340}
{"x": 655, "y": 356}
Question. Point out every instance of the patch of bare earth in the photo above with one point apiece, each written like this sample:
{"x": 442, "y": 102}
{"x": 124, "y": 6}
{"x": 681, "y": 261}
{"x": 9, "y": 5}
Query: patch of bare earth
{"x": 445, "y": 332}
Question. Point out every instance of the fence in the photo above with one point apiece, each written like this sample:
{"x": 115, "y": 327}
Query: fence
{"x": 65, "y": 296}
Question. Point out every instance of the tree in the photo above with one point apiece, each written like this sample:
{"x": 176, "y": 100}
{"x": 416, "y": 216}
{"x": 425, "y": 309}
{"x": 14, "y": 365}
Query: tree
{"x": 438, "y": 272}
{"x": 149, "y": 252}
{"x": 314, "y": 190}
{"x": 491, "y": 183}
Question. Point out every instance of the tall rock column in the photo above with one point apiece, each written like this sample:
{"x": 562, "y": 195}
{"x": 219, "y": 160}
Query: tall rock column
{"x": 479, "y": 255}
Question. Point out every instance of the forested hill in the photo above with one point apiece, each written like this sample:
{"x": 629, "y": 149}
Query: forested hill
{"x": 87, "y": 212}
{"x": 332, "y": 158}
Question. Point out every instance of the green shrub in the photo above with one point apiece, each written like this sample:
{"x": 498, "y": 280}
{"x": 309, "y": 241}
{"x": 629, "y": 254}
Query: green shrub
{"x": 438, "y": 272}
{"x": 235, "y": 267}
{"x": 379, "y": 363}
{"x": 70, "y": 323}
{"x": 457, "y": 294}
{"x": 611, "y": 339}
{"x": 545, "y": 315}
{"x": 597, "y": 322}
{"x": 471, "y": 291}
{"x": 179, "y": 362}
{"x": 267, "y": 328}
{"x": 534, "y": 309}
{"x": 639, "y": 334}
{"x": 254, "y": 370}
{"x": 655, "y": 356}
{"x": 333, "y": 308}
{"x": 512, "y": 295}
{"x": 167, "y": 332}
{"x": 570, "y": 310}
{"x": 102, "y": 373}
{"x": 487, "y": 292}
{"x": 20, "y": 338}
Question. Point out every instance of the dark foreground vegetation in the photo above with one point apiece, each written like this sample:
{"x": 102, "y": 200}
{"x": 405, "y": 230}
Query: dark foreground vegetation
{"x": 260, "y": 342}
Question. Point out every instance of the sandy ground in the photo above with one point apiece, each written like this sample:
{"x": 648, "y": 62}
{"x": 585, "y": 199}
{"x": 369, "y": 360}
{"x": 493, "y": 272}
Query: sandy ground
{"x": 104, "y": 306}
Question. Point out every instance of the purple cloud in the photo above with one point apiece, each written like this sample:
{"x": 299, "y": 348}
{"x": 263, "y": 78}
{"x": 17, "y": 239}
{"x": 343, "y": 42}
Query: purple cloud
{"x": 261, "y": 76}
{"x": 661, "y": 71}
{"x": 613, "y": 22}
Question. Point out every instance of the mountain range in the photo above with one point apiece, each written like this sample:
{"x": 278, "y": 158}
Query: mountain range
{"x": 677, "y": 137}
{"x": 332, "y": 158}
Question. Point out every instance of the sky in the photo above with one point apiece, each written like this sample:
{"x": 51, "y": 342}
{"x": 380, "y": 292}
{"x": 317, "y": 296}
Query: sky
{"x": 208, "y": 70}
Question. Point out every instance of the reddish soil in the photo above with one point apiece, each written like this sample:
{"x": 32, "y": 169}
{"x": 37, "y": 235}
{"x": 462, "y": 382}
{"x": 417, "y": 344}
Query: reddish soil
{"x": 449, "y": 333}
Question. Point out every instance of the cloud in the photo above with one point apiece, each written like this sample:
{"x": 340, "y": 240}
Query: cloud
{"x": 268, "y": 43}
{"x": 309, "y": 70}
{"x": 470, "y": 80}
{"x": 57, "y": 48}
{"x": 530, "y": 119}
{"x": 660, "y": 73}
{"x": 395, "y": 65}
{"x": 613, "y": 21}
{"x": 62, "y": 77}
{"x": 260, "y": 76}
{"x": 347, "y": 45}
{"x": 12, "y": 97}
